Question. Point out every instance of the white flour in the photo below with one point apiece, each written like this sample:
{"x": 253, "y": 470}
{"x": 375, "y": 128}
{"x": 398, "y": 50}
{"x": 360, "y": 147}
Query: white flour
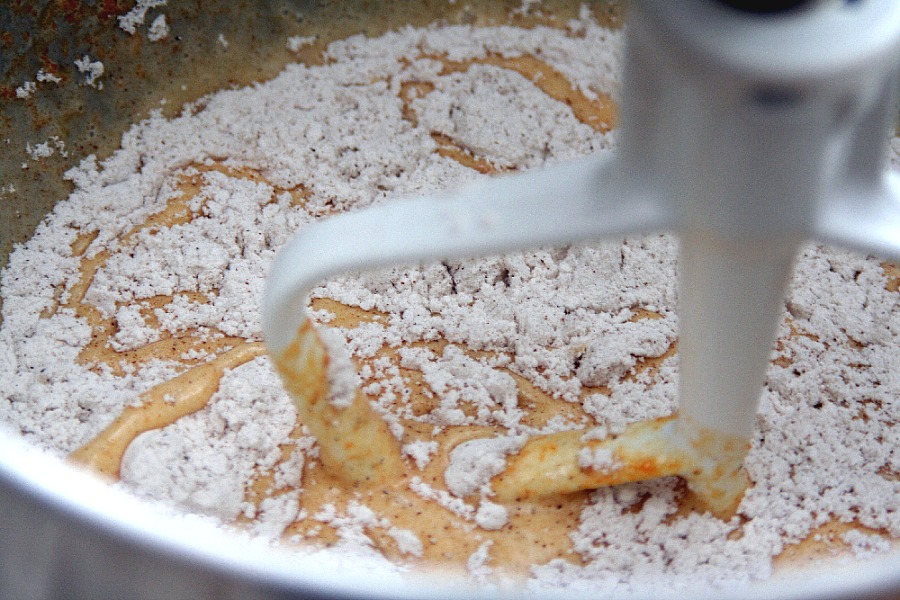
{"x": 564, "y": 319}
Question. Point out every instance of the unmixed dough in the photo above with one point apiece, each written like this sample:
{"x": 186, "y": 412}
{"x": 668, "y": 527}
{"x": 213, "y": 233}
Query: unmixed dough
{"x": 589, "y": 329}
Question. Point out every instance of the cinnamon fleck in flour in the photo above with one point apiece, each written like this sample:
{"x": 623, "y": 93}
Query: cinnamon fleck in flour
{"x": 156, "y": 264}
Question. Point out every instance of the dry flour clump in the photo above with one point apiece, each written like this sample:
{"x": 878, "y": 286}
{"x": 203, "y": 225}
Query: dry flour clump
{"x": 134, "y": 18}
{"x": 203, "y": 460}
{"x": 158, "y": 29}
{"x": 474, "y": 463}
{"x": 92, "y": 70}
{"x": 156, "y": 264}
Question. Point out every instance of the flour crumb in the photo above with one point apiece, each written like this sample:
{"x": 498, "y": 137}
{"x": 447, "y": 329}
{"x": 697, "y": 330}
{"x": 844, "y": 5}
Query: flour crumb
{"x": 600, "y": 460}
{"x": 46, "y": 149}
{"x": 407, "y": 541}
{"x": 275, "y": 514}
{"x": 46, "y": 76}
{"x": 158, "y": 30}
{"x": 598, "y": 433}
{"x": 343, "y": 379}
{"x": 866, "y": 545}
{"x": 420, "y": 452}
{"x": 477, "y": 564}
{"x": 526, "y": 7}
{"x": 296, "y": 42}
{"x": 453, "y": 504}
{"x": 474, "y": 463}
{"x": 354, "y": 525}
{"x": 222, "y": 41}
{"x": 26, "y": 90}
{"x": 491, "y": 516}
{"x": 93, "y": 70}
{"x": 134, "y": 18}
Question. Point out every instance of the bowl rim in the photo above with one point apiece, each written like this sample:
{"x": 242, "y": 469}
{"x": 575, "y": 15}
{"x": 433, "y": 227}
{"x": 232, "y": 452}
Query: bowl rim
{"x": 154, "y": 529}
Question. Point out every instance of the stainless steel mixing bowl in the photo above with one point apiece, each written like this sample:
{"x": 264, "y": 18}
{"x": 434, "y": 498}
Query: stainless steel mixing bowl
{"x": 65, "y": 534}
